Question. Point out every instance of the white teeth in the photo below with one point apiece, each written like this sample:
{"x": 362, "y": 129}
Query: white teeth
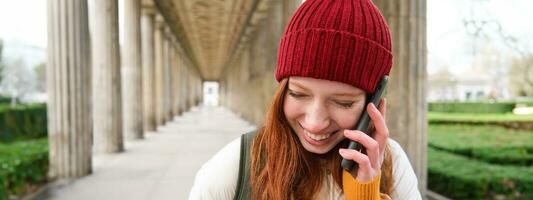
{"x": 317, "y": 137}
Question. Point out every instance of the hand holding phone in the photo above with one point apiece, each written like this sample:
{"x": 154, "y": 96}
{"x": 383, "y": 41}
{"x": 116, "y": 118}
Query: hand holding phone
{"x": 364, "y": 121}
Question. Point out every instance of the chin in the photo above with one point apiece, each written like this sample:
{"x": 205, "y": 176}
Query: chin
{"x": 317, "y": 150}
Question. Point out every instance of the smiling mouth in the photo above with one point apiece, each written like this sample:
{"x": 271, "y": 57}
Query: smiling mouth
{"x": 316, "y": 137}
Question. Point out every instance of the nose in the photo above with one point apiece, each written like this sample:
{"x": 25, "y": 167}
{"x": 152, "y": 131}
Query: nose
{"x": 317, "y": 118}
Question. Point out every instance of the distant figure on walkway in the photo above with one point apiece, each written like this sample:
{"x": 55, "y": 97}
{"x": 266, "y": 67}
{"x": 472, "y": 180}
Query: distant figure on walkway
{"x": 331, "y": 58}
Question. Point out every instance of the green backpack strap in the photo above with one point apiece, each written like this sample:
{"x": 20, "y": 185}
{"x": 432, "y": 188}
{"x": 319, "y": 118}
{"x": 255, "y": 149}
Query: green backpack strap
{"x": 244, "y": 189}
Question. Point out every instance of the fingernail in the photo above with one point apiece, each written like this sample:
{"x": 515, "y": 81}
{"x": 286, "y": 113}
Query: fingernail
{"x": 345, "y": 132}
{"x": 342, "y": 151}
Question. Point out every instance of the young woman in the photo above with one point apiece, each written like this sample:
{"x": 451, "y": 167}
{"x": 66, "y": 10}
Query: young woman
{"x": 331, "y": 57}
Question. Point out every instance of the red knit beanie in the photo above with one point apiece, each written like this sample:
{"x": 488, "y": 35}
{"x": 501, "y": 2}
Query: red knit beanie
{"x": 339, "y": 40}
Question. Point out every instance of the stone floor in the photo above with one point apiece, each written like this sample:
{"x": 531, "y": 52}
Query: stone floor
{"x": 162, "y": 166}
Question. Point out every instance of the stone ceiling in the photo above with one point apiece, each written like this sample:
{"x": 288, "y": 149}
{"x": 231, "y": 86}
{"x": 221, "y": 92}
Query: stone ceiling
{"x": 210, "y": 30}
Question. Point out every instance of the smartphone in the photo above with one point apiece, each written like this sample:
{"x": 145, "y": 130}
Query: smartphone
{"x": 363, "y": 123}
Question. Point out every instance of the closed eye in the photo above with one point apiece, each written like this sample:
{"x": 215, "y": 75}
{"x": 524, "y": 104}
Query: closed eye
{"x": 296, "y": 94}
{"x": 346, "y": 104}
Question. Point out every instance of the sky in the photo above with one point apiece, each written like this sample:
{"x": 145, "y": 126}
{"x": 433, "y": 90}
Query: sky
{"x": 449, "y": 42}
{"x": 23, "y": 20}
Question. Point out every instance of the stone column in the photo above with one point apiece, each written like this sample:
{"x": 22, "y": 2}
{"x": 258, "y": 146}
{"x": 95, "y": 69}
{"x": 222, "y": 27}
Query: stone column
{"x": 171, "y": 52}
{"x": 187, "y": 87}
{"x": 406, "y": 94}
{"x": 288, "y": 9}
{"x": 200, "y": 89}
{"x": 197, "y": 88}
{"x": 107, "y": 108}
{"x": 177, "y": 89}
{"x": 194, "y": 90}
{"x": 174, "y": 82}
{"x": 168, "y": 55}
{"x": 183, "y": 87}
{"x": 68, "y": 71}
{"x": 190, "y": 88}
{"x": 131, "y": 70}
{"x": 222, "y": 91}
{"x": 159, "y": 66}
{"x": 147, "y": 25}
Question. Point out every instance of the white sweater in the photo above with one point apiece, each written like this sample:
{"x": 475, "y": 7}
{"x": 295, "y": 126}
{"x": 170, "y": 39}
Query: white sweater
{"x": 217, "y": 178}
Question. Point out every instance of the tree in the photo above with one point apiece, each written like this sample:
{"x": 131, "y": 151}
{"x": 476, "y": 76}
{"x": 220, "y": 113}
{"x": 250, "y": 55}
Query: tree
{"x": 18, "y": 81}
{"x": 520, "y": 71}
{"x": 1, "y": 55}
{"x": 521, "y": 76}
{"x": 40, "y": 72}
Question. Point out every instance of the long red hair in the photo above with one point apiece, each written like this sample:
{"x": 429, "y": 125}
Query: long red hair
{"x": 282, "y": 169}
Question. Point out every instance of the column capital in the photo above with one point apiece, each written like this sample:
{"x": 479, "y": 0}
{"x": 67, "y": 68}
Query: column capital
{"x": 149, "y": 10}
{"x": 160, "y": 22}
{"x": 147, "y": 3}
{"x": 169, "y": 34}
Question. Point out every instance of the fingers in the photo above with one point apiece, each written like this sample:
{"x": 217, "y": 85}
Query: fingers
{"x": 361, "y": 159}
{"x": 382, "y": 132}
{"x": 371, "y": 145}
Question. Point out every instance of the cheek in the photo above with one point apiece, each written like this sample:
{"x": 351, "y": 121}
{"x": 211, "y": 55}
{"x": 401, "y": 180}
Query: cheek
{"x": 292, "y": 109}
{"x": 348, "y": 119}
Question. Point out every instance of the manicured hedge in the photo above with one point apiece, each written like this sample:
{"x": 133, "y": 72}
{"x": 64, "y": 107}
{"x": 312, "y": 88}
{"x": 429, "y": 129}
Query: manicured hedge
{"x": 482, "y": 118}
{"x": 459, "y": 177}
{"x": 23, "y": 121}
{"x": 3, "y": 192}
{"x": 5, "y": 100}
{"x": 471, "y": 107}
{"x": 492, "y": 144}
{"x": 22, "y": 163}
{"x": 521, "y": 156}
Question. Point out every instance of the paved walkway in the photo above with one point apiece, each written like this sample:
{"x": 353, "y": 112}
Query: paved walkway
{"x": 162, "y": 166}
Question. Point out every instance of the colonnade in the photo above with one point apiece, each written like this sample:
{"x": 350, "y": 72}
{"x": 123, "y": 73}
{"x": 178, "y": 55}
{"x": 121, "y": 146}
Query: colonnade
{"x": 101, "y": 94}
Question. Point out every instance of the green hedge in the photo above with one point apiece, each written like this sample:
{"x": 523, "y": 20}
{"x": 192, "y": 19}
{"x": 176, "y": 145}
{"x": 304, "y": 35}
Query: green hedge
{"x": 477, "y": 106}
{"x": 483, "y": 118}
{"x": 23, "y": 121}
{"x": 505, "y": 156}
{"x": 522, "y": 156}
{"x": 459, "y": 177}
{"x": 5, "y": 100}
{"x": 471, "y": 107}
{"x": 22, "y": 163}
{"x": 491, "y": 144}
{"x": 3, "y": 192}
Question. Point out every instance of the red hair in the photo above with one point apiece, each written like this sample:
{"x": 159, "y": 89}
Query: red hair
{"x": 282, "y": 169}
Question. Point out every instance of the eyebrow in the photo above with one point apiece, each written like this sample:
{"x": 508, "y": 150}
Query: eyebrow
{"x": 335, "y": 94}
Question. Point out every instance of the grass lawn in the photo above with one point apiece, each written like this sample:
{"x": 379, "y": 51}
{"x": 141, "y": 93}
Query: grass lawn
{"x": 472, "y": 136}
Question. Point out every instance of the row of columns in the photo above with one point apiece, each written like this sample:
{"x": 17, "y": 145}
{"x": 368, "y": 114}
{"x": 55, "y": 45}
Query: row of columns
{"x": 247, "y": 84}
{"x": 100, "y": 94}
{"x": 407, "y": 87}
